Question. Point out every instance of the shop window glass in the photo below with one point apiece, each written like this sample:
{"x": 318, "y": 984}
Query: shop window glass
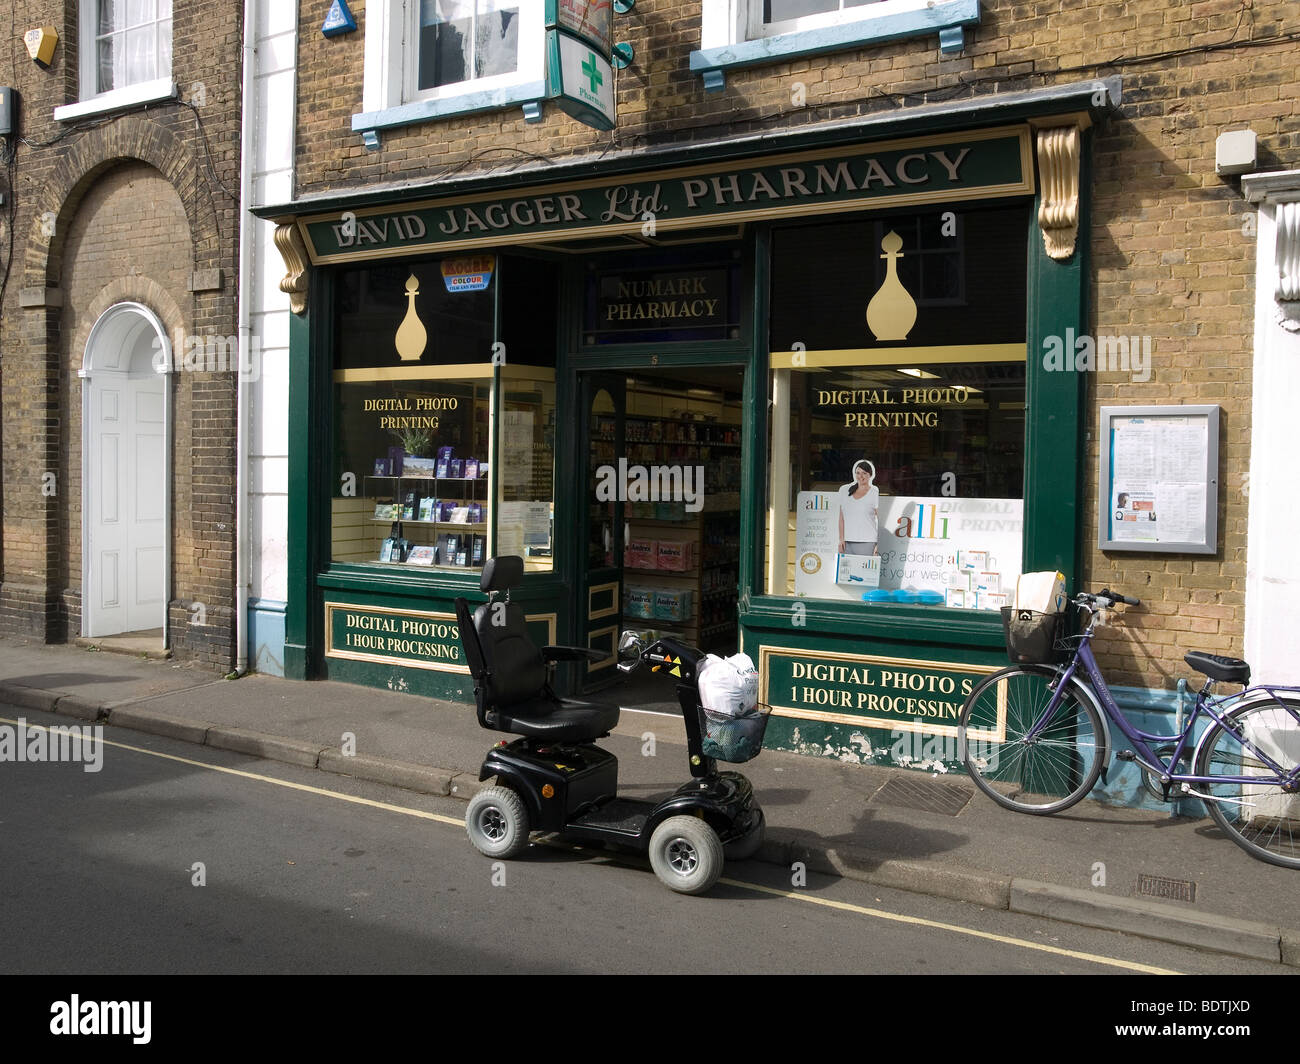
{"x": 414, "y": 396}
{"x": 898, "y": 409}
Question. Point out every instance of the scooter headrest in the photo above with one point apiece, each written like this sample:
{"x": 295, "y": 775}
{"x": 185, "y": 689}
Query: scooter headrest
{"x": 501, "y": 574}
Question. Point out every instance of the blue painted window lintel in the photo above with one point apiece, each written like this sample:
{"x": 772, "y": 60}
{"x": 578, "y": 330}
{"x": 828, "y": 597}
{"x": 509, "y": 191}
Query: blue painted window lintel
{"x": 942, "y": 18}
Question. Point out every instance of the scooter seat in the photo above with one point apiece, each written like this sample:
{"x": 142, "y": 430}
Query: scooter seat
{"x": 560, "y": 721}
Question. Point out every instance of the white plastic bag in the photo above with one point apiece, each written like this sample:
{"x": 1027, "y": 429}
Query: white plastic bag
{"x": 1041, "y": 592}
{"x": 728, "y": 687}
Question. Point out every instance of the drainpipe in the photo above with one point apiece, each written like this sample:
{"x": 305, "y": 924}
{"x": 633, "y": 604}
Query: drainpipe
{"x": 246, "y": 251}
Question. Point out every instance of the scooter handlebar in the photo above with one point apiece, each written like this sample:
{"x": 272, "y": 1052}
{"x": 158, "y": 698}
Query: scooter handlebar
{"x": 663, "y": 652}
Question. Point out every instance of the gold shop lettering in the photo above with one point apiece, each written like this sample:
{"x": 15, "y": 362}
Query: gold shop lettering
{"x": 662, "y": 298}
{"x": 396, "y": 414}
{"x": 904, "y": 686}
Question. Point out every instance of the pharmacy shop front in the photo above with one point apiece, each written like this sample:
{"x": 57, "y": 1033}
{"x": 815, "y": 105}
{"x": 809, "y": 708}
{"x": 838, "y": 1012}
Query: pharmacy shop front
{"x": 784, "y": 400}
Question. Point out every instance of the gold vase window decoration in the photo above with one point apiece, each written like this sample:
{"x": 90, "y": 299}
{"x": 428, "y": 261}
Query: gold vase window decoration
{"x": 892, "y": 310}
{"x": 412, "y": 338}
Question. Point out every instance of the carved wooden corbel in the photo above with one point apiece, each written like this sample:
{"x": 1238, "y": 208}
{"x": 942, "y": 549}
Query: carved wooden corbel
{"x": 1058, "y": 166}
{"x": 289, "y": 242}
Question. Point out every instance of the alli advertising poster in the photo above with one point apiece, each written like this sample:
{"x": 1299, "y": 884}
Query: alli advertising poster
{"x": 937, "y": 551}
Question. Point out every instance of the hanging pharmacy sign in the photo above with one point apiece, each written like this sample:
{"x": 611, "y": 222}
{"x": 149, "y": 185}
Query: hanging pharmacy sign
{"x": 580, "y": 80}
{"x": 886, "y": 175}
{"x": 589, "y": 20}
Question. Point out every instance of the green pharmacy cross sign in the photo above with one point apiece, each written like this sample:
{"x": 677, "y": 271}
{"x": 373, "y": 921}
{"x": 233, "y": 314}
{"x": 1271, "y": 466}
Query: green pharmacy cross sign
{"x": 593, "y": 72}
{"x": 579, "y": 44}
{"x": 580, "y": 80}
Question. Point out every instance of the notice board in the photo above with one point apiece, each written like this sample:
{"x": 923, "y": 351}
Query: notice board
{"x": 1158, "y": 481}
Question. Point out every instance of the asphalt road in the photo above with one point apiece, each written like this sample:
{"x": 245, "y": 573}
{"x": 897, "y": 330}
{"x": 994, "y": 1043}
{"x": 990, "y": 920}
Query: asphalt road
{"x": 162, "y": 863}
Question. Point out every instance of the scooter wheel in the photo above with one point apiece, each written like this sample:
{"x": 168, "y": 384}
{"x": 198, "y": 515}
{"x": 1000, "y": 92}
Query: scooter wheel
{"x": 744, "y": 848}
{"x": 686, "y": 854}
{"x": 497, "y": 822}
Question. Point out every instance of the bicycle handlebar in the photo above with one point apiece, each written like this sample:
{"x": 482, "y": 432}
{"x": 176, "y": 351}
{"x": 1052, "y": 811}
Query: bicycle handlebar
{"x": 1107, "y": 597}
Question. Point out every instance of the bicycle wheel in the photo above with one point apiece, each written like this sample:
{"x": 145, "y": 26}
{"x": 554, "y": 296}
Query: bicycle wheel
{"x": 1055, "y": 769}
{"x": 1261, "y": 818}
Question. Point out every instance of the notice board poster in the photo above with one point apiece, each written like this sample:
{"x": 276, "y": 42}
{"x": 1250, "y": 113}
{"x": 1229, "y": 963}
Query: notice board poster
{"x": 1159, "y": 479}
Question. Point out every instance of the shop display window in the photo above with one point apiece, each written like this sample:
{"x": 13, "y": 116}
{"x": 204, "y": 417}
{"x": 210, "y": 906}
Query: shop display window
{"x": 897, "y": 447}
{"x": 420, "y": 376}
{"x": 526, "y": 486}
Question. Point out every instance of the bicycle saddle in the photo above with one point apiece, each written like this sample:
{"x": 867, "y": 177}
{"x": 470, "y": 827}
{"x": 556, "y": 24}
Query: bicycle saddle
{"x": 1217, "y": 667}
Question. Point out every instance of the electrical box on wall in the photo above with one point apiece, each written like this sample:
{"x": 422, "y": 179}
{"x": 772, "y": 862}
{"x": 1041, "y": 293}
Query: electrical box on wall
{"x": 8, "y": 106}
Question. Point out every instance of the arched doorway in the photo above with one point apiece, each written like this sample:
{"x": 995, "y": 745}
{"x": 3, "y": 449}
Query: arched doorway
{"x": 126, "y": 474}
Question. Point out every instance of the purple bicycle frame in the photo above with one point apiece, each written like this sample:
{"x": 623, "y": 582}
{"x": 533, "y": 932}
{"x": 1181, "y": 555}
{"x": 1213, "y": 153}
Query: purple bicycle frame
{"x": 1148, "y": 757}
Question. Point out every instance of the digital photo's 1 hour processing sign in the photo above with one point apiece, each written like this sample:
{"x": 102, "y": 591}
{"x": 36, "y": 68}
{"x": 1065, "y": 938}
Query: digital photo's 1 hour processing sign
{"x": 874, "y": 692}
{"x": 393, "y": 637}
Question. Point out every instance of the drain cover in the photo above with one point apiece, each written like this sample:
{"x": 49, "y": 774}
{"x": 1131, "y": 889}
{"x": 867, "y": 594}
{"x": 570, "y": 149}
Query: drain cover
{"x": 934, "y": 796}
{"x": 1165, "y": 887}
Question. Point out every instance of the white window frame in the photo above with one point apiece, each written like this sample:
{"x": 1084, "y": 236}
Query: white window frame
{"x": 391, "y": 63}
{"x": 91, "y": 101}
{"x": 757, "y": 28}
{"x": 725, "y": 22}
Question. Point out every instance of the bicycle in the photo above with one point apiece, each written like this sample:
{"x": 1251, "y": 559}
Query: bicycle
{"x": 1035, "y": 738}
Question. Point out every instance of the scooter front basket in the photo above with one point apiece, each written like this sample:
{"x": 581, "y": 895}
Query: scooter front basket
{"x": 734, "y": 739}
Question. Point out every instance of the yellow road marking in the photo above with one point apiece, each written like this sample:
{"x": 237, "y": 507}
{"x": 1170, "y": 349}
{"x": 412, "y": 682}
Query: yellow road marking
{"x": 878, "y": 914}
{"x": 271, "y": 779}
{"x": 956, "y": 928}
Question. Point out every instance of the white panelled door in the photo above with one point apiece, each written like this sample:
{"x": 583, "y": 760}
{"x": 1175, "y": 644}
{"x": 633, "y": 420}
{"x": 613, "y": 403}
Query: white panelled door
{"x": 125, "y": 486}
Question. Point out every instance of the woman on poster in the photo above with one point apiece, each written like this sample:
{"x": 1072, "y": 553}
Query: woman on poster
{"x": 860, "y": 512}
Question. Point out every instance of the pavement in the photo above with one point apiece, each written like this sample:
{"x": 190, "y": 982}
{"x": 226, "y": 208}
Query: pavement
{"x": 1120, "y": 869}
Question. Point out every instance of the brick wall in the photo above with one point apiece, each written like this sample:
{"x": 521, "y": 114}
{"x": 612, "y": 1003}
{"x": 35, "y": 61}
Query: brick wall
{"x": 125, "y": 205}
{"x": 1171, "y": 254}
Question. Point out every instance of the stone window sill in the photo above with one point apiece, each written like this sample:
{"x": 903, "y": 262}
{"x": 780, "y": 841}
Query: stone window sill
{"x": 131, "y": 96}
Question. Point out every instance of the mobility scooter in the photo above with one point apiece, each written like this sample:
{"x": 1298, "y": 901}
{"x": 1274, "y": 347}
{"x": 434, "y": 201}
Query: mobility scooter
{"x": 555, "y": 779}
